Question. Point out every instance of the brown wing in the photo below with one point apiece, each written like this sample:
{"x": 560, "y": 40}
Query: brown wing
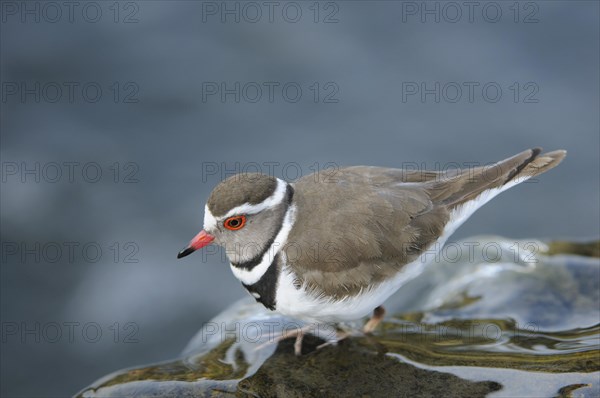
{"x": 363, "y": 224}
{"x": 359, "y": 228}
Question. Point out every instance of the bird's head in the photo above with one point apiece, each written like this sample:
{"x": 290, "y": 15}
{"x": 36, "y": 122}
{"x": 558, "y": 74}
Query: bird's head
{"x": 243, "y": 214}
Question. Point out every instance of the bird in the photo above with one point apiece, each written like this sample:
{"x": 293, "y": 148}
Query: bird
{"x": 332, "y": 247}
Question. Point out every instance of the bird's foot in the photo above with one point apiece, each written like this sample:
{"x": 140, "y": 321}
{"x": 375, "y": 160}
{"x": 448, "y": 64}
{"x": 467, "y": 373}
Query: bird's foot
{"x": 298, "y": 333}
{"x": 340, "y": 335}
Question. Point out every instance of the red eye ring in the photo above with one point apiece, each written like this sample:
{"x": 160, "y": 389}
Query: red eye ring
{"x": 234, "y": 223}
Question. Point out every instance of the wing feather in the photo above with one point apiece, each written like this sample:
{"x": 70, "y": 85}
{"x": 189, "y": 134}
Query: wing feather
{"x": 364, "y": 224}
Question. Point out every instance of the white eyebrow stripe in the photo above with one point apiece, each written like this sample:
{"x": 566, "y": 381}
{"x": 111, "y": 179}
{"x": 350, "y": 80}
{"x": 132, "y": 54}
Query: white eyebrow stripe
{"x": 276, "y": 198}
{"x": 250, "y": 277}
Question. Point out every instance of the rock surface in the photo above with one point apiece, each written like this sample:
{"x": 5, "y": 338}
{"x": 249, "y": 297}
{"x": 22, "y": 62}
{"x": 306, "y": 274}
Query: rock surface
{"x": 526, "y": 323}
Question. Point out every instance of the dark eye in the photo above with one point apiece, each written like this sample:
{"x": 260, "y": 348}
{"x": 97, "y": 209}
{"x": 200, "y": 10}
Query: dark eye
{"x": 234, "y": 223}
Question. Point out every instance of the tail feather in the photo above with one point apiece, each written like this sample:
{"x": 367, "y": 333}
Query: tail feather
{"x": 476, "y": 187}
{"x": 499, "y": 176}
{"x": 542, "y": 163}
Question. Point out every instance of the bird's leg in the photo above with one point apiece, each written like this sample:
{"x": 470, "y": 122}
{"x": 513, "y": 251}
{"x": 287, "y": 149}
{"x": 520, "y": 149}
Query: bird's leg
{"x": 377, "y": 317}
{"x": 298, "y": 344}
{"x": 296, "y": 332}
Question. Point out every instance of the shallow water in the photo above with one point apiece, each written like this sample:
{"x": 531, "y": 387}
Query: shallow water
{"x": 519, "y": 323}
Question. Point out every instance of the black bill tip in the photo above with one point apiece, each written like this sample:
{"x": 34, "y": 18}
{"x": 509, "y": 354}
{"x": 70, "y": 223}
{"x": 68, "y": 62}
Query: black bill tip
{"x": 185, "y": 252}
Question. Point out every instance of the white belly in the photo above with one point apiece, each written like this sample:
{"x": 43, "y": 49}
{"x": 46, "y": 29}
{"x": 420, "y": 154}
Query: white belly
{"x": 297, "y": 303}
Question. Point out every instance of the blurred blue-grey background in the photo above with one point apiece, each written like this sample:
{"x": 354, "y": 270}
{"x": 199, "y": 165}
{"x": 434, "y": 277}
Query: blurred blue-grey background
{"x": 117, "y": 120}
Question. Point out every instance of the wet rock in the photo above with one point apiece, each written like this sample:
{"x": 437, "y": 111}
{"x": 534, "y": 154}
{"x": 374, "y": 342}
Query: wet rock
{"x": 524, "y": 324}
